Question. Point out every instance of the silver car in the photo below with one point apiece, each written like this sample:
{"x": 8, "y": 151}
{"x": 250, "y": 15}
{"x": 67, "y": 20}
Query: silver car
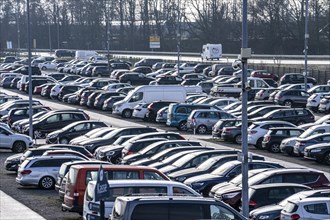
{"x": 42, "y": 171}
{"x": 202, "y": 120}
{"x": 18, "y": 143}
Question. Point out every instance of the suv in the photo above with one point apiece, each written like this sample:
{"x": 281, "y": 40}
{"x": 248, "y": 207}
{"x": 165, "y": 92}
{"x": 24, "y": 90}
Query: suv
{"x": 202, "y": 121}
{"x": 154, "y": 107}
{"x": 257, "y": 130}
{"x": 17, "y": 114}
{"x": 294, "y": 78}
{"x": 171, "y": 208}
{"x": 42, "y": 171}
{"x": 18, "y": 143}
{"x": 272, "y": 140}
{"x": 292, "y": 97}
{"x": 178, "y": 113}
{"x": 54, "y": 121}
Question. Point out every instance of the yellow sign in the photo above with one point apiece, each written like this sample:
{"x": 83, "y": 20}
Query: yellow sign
{"x": 154, "y": 39}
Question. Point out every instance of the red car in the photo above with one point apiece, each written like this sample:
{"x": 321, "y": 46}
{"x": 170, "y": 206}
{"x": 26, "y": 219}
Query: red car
{"x": 264, "y": 74}
{"x": 314, "y": 179}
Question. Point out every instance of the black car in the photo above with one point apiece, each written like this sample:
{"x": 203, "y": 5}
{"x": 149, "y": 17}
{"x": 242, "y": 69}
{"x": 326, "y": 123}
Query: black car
{"x": 168, "y": 80}
{"x": 234, "y": 133}
{"x": 108, "y": 103}
{"x": 67, "y": 89}
{"x": 25, "y": 71}
{"x": 190, "y": 82}
{"x": 83, "y": 95}
{"x": 272, "y": 140}
{"x": 135, "y": 78}
{"x": 261, "y": 111}
{"x": 92, "y": 97}
{"x": 147, "y": 62}
{"x": 73, "y": 130}
{"x": 221, "y": 124}
{"x": 142, "y": 69}
{"x": 154, "y": 107}
{"x": 206, "y": 167}
{"x": 200, "y": 67}
{"x": 16, "y": 114}
{"x": 267, "y": 194}
{"x": 13, "y": 83}
{"x": 294, "y": 78}
{"x": 193, "y": 160}
{"x": 226, "y": 172}
{"x": 101, "y": 98}
{"x": 294, "y": 116}
{"x": 273, "y": 212}
{"x": 93, "y": 144}
{"x": 318, "y": 152}
{"x": 5, "y": 82}
{"x": 55, "y": 120}
{"x": 226, "y": 71}
{"x": 152, "y": 149}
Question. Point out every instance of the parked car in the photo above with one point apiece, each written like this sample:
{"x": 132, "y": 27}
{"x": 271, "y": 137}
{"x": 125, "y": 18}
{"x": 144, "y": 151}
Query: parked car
{"x": 272, "y": 140}
{"x": 318, "y": 152}
{"x": 98, "y": 132}
{"x": 101, "y": 98}
{"x": 291, "y": 98}
{"x": 257, "y": 130}
{"x": 73, "y": 130}
{"x": 324, "y": 104}
{"x": 302, "y": 143}
{"x": 314, "y": 101}
{"x": 42, "y": 171}
{"x": 162, "y": 115}
{"x": 233, "y": 133}
{"x": 264, "y": 94}
{"x": 108, "y": 103}
{"x": 264, "y": 74}
{"x": 273, "y": 212}
{"x": 306, "y": 209}
{"x": 17, "y": 114}
{"x": 154, "y": 107}
{"x": 227, "y": 171}
{"x": 223, "y": 123}
{"x": 135, "y": 78}
{"x": 17, "y": 143}
{"x": 293, "y": 78}
{"x": 202, "y": 121}
{"x": 261, "y": 111}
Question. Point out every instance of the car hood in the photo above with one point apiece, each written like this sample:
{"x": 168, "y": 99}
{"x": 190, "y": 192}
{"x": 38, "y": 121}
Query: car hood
{"x": 267, "y": 210}
{"x": 15, "y": 157}
{"x": 167, "y": 168}
{"x": 228, "y": 189}
{"x": 292, "y": 139}
{"x": 183, "y": 172}
{"x": 201, "y": 178}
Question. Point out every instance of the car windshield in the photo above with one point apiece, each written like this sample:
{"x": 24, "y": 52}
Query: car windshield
{"x": 180, "y": 161}
{"x": 255, "y": 179}
{"x": 223, "y": 168}
{"x": 207, "y": 164}
{"x": 308, "y": 132}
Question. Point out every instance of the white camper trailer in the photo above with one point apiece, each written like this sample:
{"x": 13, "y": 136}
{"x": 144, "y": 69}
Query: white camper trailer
{"x": 211, "y": 51}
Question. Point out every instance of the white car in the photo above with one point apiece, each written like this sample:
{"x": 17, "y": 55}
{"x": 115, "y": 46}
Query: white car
{"x": 257, "y": 130}
{"x": 307, "y": 209}
{"x": 114, "y": 86}
{"x": 55, "y": 91}
{"x": 18, "y": 143}
{"x": 314, "y": 100}
{"x": 140, "y": 110}
{"x": 325, "y": 104}
{"x": 47, "y": 65}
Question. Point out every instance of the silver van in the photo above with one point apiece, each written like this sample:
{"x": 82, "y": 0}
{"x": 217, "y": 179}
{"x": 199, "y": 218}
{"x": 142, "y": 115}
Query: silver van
{"x": 131, "y": 187}
{"x": 203, "y": 119}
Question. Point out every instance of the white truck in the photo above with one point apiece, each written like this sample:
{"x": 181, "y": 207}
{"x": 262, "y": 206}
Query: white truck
{"x": 234, "y": 90}
{"x": 211, "y": 51}
{"x": 150, "y": 93}
{"x": 85, "y": 54}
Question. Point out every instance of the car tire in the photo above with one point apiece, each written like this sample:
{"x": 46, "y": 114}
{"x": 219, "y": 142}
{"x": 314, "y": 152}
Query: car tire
{"x": 238, "y": 139}
{"x": 288, "y": 103}
{"x": 202, "y": 129}
{"x": 274, "y": 148}
{"x": 259, "y": 143}
{"x": 47, "y": 182}
{"x": 127, "y": 113}
{"x": 19, "y": 147}
{"x": 43, "y": 68}
{"x": 182, "y": 126}
{"x": 326, "y": 158}
{"x": 64, "y": 141}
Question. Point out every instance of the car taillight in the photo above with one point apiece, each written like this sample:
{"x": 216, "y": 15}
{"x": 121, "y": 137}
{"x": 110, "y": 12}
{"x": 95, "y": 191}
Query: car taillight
{"x": 129, "y": 152}
{"x": 295, "y": 217}
{"x": 26, "y": 172}
{"x": 267, "y": 138}
{"x": 252, "y": 203}
{"x": 226, "y": 130}
{"x": 252, "y": 131}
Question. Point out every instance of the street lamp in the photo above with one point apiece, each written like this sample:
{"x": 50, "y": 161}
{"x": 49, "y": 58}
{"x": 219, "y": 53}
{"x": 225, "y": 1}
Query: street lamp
{"x": 178, "y": 36}
{"x": 306, "y": 45}
{"x": 18, "y": 29}
{"x": 29, "y": 67}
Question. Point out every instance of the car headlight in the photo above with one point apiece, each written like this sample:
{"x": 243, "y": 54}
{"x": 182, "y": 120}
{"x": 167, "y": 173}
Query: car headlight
{"x": 197, "y": 184}
{"x": 180, "y": 179}
{"x": 264, "y": 217}
{"x": 230, "y": 195}
{"x": 315, "y": 150}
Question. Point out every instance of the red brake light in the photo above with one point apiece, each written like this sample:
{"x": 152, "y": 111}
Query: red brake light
{"x": 267, "y": 138}
{"x": 25, "y": 172}
{"x": 129, "y": 152}
{"x": 295, "y": 217}
{"x": 252, "y": 203}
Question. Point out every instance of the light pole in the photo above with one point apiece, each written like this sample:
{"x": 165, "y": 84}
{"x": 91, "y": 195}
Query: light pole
{"x": 179, "y": 36}
{"x": 49, "y": 37}
{"x": 18, "y": 30}
{"x": 306, "y": 45}
{"x": 29, "y": 67}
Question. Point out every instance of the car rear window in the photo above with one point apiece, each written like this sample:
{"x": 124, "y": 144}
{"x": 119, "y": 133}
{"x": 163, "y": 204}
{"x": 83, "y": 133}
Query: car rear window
{"x": 290, "y": 207}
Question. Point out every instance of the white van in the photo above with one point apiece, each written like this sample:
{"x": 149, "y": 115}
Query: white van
{"x": 85, "y": 54}
{"x": 132, "y": 187}
{"x": 211, "y": 51}
{"x": 148, "y": 94}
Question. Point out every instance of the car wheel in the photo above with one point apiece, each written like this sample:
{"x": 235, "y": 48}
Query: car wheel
{"x": 182, "y": 126}
{"x": 127, "y": 113}
{"x": 19, "y": 147}
{"x": 238, "y": 139}
{"x": 43, "y": 68}
{"x": 202, "y": 129}
{"x": 259, "y": 143}
{"x": 274, "y": 148}
{"x": 64, "y": 141}
{"x": 47, "y": 182}
{"x": 288, "y": 103}
{"x": 326, "y": 158}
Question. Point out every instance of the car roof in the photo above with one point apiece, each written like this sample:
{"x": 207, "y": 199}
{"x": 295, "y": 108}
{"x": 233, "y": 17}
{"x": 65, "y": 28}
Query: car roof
{"x": 311, "y": 200}
{"x": 286, "y": 128}
{"x": 275, "y": 185}
{"x": 290, "y": 170}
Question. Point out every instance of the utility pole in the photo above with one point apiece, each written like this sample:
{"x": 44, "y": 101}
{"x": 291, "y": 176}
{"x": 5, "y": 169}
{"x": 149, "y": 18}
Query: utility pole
{"x": 18, "y": 30}
{"x": 179, "y": 36}
{"x": 29, "y": 67}
{"x": 306, "y": 45}
{"x": 245, "y": 54}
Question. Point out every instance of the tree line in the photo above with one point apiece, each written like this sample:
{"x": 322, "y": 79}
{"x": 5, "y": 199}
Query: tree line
{"x": 274, "y": 27}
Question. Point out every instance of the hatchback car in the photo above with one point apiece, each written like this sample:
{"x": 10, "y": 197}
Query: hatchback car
{"x": 292, "y": 78}
{"x": 202, "y": 121}
{"x": 318, "y": 152}
{"x": 42, "y": 171}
